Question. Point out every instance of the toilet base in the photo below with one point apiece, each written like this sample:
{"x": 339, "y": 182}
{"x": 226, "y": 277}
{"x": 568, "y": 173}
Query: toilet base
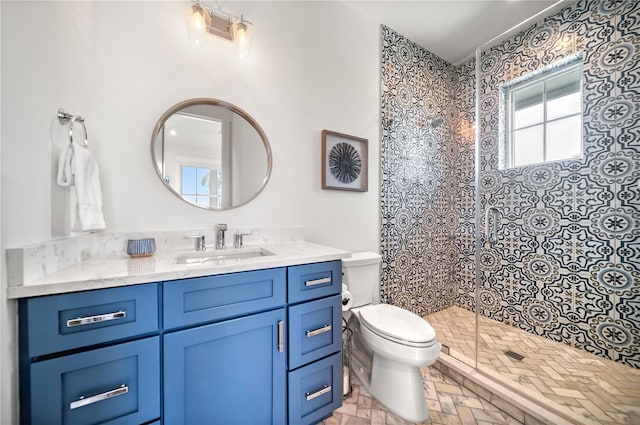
{"x": 399, "y": 387}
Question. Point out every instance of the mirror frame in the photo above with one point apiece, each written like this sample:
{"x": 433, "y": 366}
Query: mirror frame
{"x": 230, "y": 107}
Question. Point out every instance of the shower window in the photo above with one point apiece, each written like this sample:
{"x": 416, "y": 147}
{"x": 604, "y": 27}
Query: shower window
{"x": 544, "y": 116}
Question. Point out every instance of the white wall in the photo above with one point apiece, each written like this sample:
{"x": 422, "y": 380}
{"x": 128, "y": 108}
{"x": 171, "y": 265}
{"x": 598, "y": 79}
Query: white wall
{"x": 313, "y": 66}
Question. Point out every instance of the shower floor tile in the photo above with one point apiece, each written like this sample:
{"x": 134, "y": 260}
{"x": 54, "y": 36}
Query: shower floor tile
{"x": 600, "y": 389}
{"x": 449, "y": 403}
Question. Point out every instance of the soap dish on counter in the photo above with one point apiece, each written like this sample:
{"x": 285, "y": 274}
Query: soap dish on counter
{"x": 141, "y": 247}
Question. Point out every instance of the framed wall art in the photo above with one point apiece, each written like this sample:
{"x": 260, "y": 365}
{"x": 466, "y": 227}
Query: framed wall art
{"x": 344, "y": 162}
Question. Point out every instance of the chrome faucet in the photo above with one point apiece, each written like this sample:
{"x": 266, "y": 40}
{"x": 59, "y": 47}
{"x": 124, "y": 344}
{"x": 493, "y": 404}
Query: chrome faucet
{"x": 220, "y": 230}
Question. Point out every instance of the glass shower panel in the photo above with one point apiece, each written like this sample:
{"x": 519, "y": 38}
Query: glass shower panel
{"x": 563, "y": 262}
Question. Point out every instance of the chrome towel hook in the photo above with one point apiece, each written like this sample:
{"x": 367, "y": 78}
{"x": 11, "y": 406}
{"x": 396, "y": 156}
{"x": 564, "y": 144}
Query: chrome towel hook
{"x": 65, "y": 117}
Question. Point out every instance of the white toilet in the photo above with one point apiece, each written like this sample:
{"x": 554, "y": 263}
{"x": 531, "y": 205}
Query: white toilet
{"x": 389, "y": 344}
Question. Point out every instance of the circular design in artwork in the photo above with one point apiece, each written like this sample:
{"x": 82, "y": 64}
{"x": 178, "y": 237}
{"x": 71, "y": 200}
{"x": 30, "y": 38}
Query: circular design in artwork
{"x": 541, "y": 268}
{"x": 613, "y": 277}
{"x": 345, "y": 163}
{"x": 541, "y": 221}
{"x": 614, "y": 334}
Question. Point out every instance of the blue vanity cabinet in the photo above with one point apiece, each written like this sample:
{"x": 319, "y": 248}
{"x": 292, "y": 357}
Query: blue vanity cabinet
{"x": 225, "y": 351}
{"x": 113, "y": 385}
{"x": 228, "y": 372}
{"x": 254, "y": 347}
{"x": 90, "y": 357}
{"x": 315, "y": 341}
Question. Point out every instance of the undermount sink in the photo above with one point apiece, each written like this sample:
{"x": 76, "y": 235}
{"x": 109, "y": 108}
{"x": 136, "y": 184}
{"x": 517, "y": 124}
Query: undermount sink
{"x": 220, "y": 256}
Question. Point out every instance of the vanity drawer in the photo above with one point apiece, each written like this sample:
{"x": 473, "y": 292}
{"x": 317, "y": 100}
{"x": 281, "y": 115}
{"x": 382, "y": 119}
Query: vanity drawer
{"x": 310, "y": 281}
{"x": 66, "y": 321}
{"x": 315, "y": 330}
{"x": 213, "y": 298}
{"x": 315, "y": 390}
{"x": 114, "y": 385}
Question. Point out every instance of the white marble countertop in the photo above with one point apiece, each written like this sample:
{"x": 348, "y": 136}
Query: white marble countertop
{"x": 120, "y": 270}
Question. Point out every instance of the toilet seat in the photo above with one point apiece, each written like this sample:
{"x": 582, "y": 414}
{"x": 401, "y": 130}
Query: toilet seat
{"x": 398, "y": 325}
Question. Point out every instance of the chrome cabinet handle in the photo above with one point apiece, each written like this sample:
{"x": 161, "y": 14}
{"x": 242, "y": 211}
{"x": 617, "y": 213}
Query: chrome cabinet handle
{"x": 281, "y": 336}
{"x": 322, "y": 391}
{"x": 317, "y": 281}
{"x": 96, "y": 319}
{"x": 123, "y": 389}
{"x": 325, "y": 328}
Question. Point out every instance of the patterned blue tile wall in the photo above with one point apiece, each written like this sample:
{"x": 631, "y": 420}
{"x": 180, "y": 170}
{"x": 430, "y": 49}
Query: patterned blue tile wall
{"x": 567, "y": 261}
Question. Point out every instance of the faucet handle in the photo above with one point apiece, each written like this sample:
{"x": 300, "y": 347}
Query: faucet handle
{"x": 200, "y": 241}
{"x": 221, "y": 227}
{"x": 237, "y": 239}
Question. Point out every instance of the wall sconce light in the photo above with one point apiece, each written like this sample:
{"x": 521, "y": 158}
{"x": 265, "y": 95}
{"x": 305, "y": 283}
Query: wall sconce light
{"x": 203, "y": 22}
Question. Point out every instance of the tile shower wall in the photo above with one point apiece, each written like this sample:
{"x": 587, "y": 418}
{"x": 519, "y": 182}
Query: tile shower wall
{"x": 419, "y": 217}
{"x": 566, "y": 265}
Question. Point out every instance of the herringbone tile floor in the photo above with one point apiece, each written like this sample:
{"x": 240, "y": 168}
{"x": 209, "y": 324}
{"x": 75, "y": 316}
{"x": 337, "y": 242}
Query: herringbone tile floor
{"x": 449, "y": 403}
{"x": 602, "y": 390}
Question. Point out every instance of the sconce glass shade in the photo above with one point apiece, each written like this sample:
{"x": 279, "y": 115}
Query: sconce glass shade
{"x": 198, "y": 21}
{"x": 242, "y": 38}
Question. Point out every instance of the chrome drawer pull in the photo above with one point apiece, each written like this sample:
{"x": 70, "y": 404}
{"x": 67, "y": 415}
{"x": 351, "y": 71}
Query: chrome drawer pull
{"x": 281, "y": 336}
{"x": 99, "y": 397}
{"x": 96, "y": 319}
{"x": 317, "y": 281}
{"x": 324, "y": 390}
{"x": 325, "y": 328}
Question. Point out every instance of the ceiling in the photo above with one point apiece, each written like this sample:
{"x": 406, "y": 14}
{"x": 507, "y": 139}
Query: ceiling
{"x": 453, "y": 29}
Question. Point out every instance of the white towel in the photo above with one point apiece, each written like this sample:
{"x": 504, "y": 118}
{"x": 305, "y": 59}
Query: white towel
{"x": 77, "y": 162}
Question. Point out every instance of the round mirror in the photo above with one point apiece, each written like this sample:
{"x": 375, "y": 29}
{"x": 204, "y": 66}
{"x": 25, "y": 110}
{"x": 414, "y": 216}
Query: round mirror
{"x": 211, "y": 153}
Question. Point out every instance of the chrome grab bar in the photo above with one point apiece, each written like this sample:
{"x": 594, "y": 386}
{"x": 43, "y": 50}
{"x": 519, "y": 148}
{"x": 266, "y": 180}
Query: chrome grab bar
{"x": 123, "y": 389}
{"x": 317, "y": 281}
{"x": 493, "y": 237}
{"x": 96, "y": 319}
{"x": 322, "y": 391}
{"x": 325, "y": 328}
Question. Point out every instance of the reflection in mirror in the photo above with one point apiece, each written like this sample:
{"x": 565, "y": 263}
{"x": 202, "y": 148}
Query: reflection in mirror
{"x": 211, "y": 154}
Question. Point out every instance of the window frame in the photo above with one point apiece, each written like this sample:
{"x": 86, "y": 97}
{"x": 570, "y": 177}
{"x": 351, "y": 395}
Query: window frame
{"x": 507, "y": 110}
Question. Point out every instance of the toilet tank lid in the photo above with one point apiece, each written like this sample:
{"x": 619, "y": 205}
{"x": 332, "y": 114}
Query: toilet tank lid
{"x": 362, "y": 259}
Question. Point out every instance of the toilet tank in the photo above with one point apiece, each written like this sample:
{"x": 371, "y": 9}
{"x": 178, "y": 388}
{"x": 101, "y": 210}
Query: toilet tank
{"x": 361, "y": 274}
